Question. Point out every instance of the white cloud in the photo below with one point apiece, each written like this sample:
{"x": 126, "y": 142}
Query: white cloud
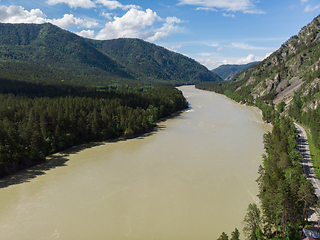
{"x": 304, "y": 1}
{"x": 212, "y": 61}
{"x": 129, "y": 25}
{"x": 168, "y": 28}
{"x": 228, "y": 15}
{"x": 106, "y": 15}
{"x": 112, "y": 4}
{"x": 17, "y": 14}
{"x": 245, "y": 6}
{"x": 251, "y": 58}
{"x": 86, "y": 33}
{"x": 248, "y": 59}
{"x": 219, "y": 49}
{"x": 134, "y": 23}
{"x": 138, "y": 24}
{"x": 309, "y": 8}
{"x": 207, "y": 9}
{"x": 175, "y": 47}
{"x": 209, "y": 63}
{"x": 73, "y": 3}
{"x": 248, "y": 47}
{"x": 68, "y": 20}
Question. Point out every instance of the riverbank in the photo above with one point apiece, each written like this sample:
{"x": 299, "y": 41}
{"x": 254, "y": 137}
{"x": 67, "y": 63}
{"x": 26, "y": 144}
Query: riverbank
{"x": 32, "y": 128}
{"x": 174, "y": 183}
{"x": 9, "y": 168}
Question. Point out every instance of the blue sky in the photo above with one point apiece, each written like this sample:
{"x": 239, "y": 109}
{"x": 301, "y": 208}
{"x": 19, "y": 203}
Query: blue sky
{"x": 213, "y": 32}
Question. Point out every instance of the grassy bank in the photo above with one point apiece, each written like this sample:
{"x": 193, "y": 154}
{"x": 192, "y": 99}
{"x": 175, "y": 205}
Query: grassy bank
{"x": 315, "y": 154}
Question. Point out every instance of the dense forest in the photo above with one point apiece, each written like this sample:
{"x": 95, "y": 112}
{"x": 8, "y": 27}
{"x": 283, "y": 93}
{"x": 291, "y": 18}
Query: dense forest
{"x": 284, "y": 191}
{"x": 37, "y": 120}
{"x": 45, "y": 53}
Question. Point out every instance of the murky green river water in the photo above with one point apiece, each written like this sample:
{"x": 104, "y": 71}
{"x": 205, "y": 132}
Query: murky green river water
{"x": 192, "y": 178}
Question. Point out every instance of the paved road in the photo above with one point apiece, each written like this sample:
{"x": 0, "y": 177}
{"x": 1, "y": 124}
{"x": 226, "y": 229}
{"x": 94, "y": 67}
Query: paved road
{"x": 307, "y": 164}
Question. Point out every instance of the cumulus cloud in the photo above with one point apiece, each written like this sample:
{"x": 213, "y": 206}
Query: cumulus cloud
{"x": 248, "y": 59}
{"x": 251, "y": 58}
{"x": 86, "y": 33}
{"x": 106, "y": 15}
{"x": 209, "y": 62}
{"x": 17, "y": 14}
{"x": 212, "y": 61}
{"x": 111, "y": 4}
{"x": 134, "y": 23}
{"x": 309, "y": 8}
{"x": 245, "y": 6}
{"x": 73, "y": 3}
{"x": 129, "y": 25}
{"x": 138, "y": 24}
{"x": 68, "y": 20}
{"x": 167, "y": 29}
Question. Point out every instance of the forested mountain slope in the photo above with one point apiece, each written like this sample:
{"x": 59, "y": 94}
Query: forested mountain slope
{"x": 46, "y": 53}
{"x": 228, "y": 71}
{"x": 146, "y": 60}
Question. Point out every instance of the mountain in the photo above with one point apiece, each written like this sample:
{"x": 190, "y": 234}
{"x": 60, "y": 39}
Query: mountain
{"x": 46, "y": 53}
{"x": 154, "y": 62}
{"x": 228, "y": 71}
{"x": 294, "y": 67}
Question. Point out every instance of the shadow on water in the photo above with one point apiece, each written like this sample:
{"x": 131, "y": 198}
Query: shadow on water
{"x": 52, "y": 162}
{"x": 60, "y": 159}
{"x": 158, "y": 128}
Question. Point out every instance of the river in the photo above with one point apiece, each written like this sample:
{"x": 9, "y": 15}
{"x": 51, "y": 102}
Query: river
{"x": 192, "y": 178}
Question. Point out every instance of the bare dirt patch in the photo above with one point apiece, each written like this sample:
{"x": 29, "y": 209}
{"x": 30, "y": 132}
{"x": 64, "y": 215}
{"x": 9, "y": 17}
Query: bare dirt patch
{"x": 288, "y": 92}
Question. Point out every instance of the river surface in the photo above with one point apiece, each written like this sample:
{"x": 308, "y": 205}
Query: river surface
{"x": 192, "y": 178}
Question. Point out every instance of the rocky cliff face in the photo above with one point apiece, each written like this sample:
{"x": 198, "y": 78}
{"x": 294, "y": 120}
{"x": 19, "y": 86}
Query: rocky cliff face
{"x": 294, "y": 67}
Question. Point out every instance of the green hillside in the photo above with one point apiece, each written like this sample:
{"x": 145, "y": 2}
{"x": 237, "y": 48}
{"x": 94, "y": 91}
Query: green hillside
{"x": 154, "y": 62}
{"x": 228, "y": 71}
{"x": 46, "y": 53}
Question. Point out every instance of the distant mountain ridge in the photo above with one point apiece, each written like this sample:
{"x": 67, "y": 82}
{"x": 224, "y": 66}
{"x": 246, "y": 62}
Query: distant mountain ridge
{"x": 46, "y": 53}
{"x": 228, "y": 71}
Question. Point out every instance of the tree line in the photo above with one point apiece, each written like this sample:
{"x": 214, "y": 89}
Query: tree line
{"x": 32, "y": 127}
{"x": 285, "y": 193}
